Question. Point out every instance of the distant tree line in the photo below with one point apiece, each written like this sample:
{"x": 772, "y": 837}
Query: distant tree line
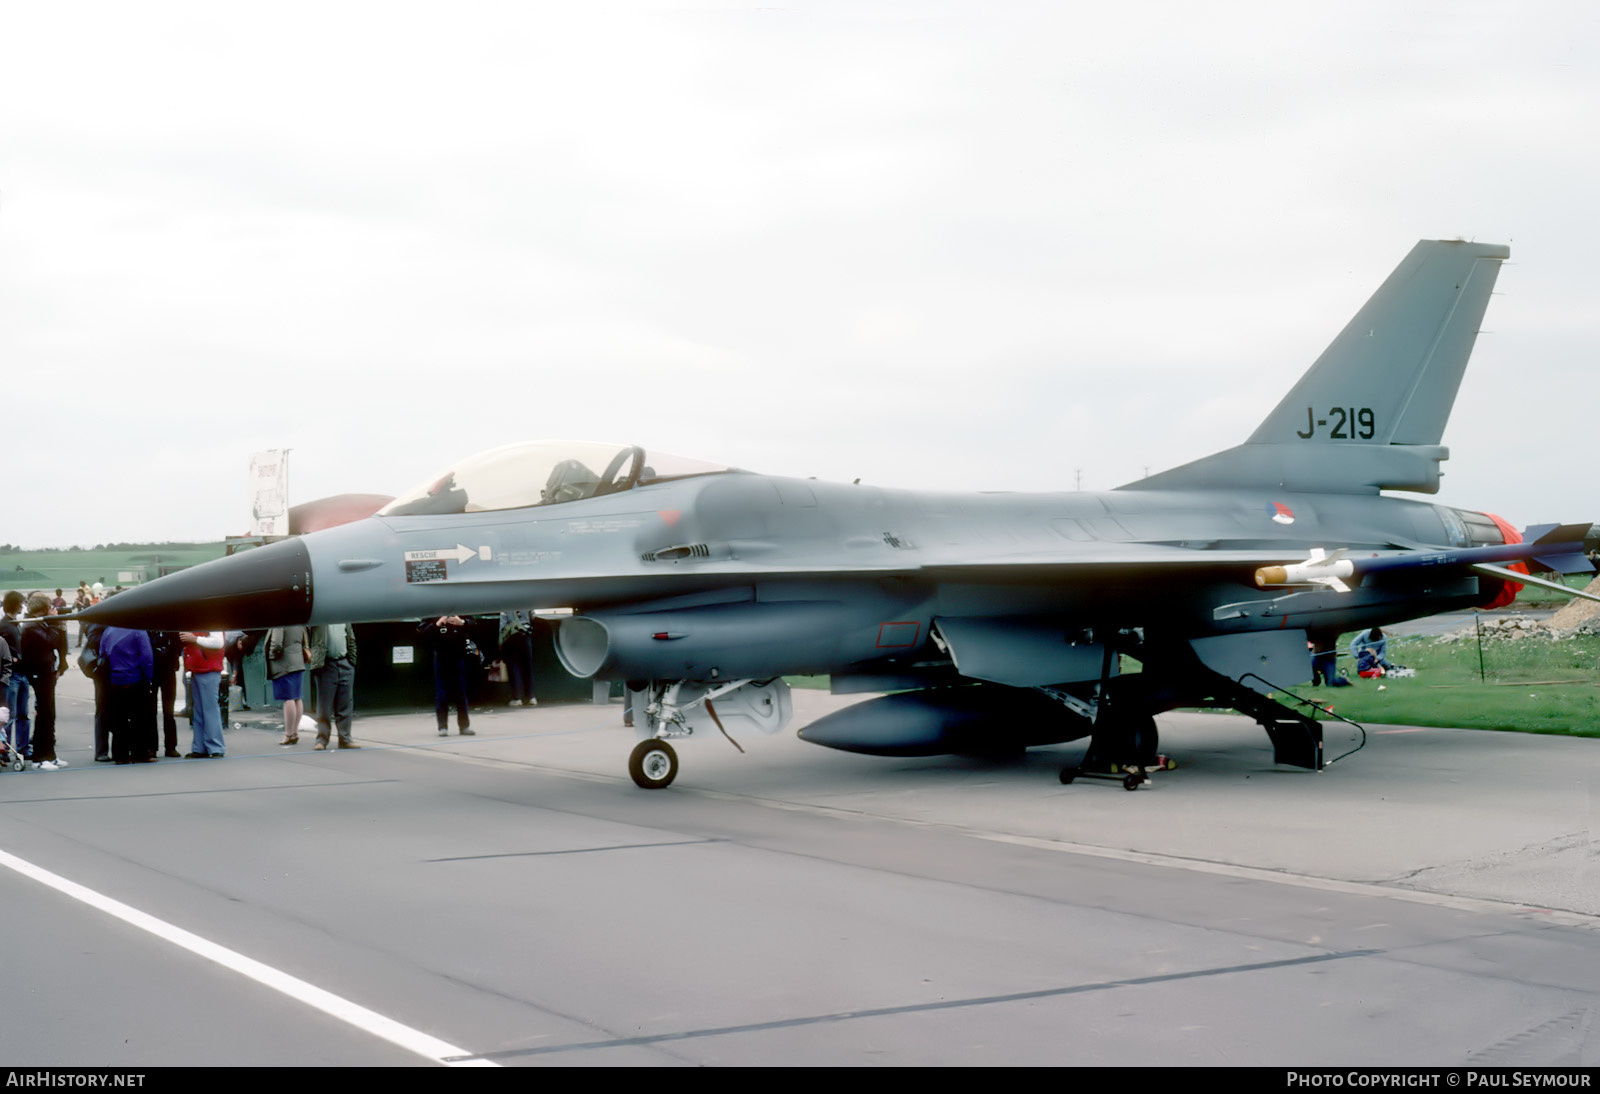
{"x": 169, "y": 545}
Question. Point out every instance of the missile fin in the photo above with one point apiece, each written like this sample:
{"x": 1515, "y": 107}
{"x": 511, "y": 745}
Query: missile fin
{"x": 1556, "y": 533}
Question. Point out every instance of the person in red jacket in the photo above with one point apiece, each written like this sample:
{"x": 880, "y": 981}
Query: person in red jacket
{"x": 203, "y": 657}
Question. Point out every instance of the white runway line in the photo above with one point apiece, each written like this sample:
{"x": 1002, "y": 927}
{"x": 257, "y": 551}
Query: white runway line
{"x": 369, "y": 1021}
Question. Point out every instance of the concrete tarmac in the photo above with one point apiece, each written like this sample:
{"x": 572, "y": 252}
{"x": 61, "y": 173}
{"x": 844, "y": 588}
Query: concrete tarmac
{"x": 512, "y": 899}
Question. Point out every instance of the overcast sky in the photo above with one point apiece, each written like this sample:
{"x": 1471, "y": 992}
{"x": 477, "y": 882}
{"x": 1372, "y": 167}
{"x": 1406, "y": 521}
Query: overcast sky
{"x": 972, "y": 246}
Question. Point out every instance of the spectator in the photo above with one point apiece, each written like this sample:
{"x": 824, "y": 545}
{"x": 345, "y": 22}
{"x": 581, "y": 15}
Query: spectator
{"x": 1325, "y": 661}
{"x": 448, "y": 634}
{"x": 1370, "y": 652}
{"x": 91, "y": 635}
{"x": 238, "y": 645}
{"x": 333, "y": 667}
{"x": 18, "y": 693}
{"x": 5, "y": 712}
{"x": 80, "y": 602}
{"x": 167, "y": 653}
{"x": 44, "y": 659}
{"x": 203, "y": 657}
{"x": 129, "y": 665}
{"x": 286, "y": 668}
{"x": 516, "y": 650}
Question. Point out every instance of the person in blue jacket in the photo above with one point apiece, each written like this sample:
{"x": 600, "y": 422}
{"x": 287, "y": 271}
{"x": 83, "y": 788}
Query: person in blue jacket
{"x": 129, "y": 666}
{"x": 1369, "y": 650}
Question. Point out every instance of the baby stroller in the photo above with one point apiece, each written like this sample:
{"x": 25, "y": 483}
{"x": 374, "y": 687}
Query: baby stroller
{"x": 10, "y": 758}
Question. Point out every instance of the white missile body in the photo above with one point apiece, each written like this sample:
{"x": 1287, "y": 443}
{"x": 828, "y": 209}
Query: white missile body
{"x": 1322, "y": 568}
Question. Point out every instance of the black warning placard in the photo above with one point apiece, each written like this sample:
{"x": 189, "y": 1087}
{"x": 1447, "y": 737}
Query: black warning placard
{"x": 426, "y": 569}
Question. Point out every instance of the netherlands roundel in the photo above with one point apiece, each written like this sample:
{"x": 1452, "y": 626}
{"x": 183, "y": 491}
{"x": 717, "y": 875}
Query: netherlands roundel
{"x": 1280, "y": 513}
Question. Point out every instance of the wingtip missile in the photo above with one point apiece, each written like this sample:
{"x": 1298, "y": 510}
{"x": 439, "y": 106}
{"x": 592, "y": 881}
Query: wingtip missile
{"x": 1549, "y": 547}
{"x": 1322, "y": 568}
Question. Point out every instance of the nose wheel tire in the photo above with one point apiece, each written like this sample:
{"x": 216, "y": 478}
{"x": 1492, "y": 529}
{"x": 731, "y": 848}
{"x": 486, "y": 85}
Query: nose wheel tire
{"x": 653, "y": 764}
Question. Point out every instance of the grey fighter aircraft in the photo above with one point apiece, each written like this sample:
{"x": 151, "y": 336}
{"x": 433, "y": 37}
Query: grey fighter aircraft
{"x": 993, "y": 621}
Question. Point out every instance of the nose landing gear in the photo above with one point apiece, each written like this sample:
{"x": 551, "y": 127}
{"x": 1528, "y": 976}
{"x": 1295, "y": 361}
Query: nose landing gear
{"x": 653, "y": 764}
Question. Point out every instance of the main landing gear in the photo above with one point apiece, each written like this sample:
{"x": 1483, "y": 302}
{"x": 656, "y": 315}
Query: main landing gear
{"x": 1122, "y": 749}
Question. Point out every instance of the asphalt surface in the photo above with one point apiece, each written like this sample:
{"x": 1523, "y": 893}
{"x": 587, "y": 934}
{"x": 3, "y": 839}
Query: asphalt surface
{"x": 512, "y": 899}
{"x": 1449, "y": 622}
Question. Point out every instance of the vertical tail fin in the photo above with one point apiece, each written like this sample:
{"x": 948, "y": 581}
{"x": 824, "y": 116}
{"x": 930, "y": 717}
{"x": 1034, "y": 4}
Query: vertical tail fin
{"x": 1402, "y": 355}
{"x": 1370, "y": 413}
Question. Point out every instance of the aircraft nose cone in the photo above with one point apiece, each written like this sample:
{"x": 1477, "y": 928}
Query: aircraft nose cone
{"x": 269, "y": 586}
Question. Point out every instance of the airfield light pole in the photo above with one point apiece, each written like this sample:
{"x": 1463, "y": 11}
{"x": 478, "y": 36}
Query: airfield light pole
{"x": 1477, "y": 625}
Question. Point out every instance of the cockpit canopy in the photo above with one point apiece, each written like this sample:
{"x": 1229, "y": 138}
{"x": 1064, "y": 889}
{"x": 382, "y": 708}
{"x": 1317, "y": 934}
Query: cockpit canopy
{"x": 517, "y": 476}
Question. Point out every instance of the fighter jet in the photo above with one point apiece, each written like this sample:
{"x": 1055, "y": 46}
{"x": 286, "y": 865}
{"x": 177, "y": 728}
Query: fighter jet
{"x": 993, "y": 621}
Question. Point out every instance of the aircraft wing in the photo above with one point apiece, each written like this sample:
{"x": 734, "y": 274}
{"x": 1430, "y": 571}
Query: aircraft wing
{"x": 1158, "y": 563}
{"x": 1157, "y": 560}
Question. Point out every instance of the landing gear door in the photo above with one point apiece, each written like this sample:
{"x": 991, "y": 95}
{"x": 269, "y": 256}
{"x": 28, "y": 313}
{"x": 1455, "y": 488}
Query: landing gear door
{"x": 1261, "y": 661}
{"x": 1020, "y": 653}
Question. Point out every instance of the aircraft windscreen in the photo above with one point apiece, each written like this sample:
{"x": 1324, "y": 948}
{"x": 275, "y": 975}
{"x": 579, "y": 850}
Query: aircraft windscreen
{"x": 542, "y": 473}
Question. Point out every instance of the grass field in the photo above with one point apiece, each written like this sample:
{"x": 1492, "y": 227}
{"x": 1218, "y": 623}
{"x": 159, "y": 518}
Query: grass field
{"x": 1528, "y": 685}
{"x": 51, "y": 570}
{"x": 1531, "y": 685}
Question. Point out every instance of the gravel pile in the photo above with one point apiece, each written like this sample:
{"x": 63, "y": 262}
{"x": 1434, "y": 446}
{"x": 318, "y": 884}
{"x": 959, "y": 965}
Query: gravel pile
{"x": 1580, "y": 617}
{"x": 1578, "y": 613}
